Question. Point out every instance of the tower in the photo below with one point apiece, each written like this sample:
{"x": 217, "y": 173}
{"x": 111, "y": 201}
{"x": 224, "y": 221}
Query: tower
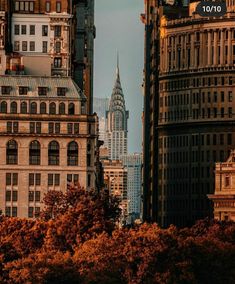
{"x": 117, "y": 117}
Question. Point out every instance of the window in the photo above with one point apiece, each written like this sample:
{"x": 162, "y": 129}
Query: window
{"x": 23, "y": 29}
{"x": 230, "y": 96}
{"x": 32, "y": 45}
{"x": 14, "y": 196}
{"x": 33, "y": 108}
{"x": 8, "y": 195}
{"x": 52, "y": 108}
{"x": 61, "y": 92}
{"x": 44, "y": 30}
{"x": 43, "y": 108}
{"x": 72, "y": 154}
{"x": 53, "y": 153}
{"x": 57, "y": 31}
{"x": 38, "y": 127}
{"x": 229, "y": 139}
{"x": 23, "y": 107}
{"x": 70, "y": 128}
{"x": 227, "y": 181}
{"x": 13, "y": 107}
{"x": 53, "y": 179}
{"x": 24, "y": 45}
{"x": 34, "y": 153}
{"x": 76, "y": 128}
{"x": 6, "y": 90}
{"x": 230, "y": 112}
{"x": 16, "y": 45}
{"x": 23, "y": 90}
{"x": 31, "y": 6}
{"x": 31, "y": 180}
{"x": 51, "y": 127}
{"x": 3, "y": 107}
{"x": 31, "y": 212}
{"x": 58, "y": 7}
{"x": 14, "y": 211}
{"x": 32, "y": 29}
{"x": 32, "y": 127}
{"x": 37, "y": 196}
{"x": 38, "y": 179}
{"x": 71, "y": 109}
{"x": 88, "y": 180}
{"x": 15, "y": 127}
{"x": 12, "y": 153}
{"x": 17, "y": 29}
{"x": 48, "y": 6}
{"x": 17, "y": 6}
{"x": 58, "y": 62}
{"x": 42, "y": 91}
{"x": 74, "y": 178}
{"x": 31, "y": 196}
{"x": 61, "y": 108}
{"x": 12, "y": 179}
{"x": 58, "y": 47}
{"x": 222, "y": 97}
{"x": 44, "y": 46}
{"x": 222, "y": 112}
{"x": 57, "y": 128}
{"x": 221, "y": 139}
{"x": 9, "y": 127}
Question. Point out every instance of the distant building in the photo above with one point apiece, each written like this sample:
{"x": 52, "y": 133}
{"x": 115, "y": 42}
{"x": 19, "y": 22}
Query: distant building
{"x": 133, "y": 164}
{"x": 117, "y": 118}
{"x": 224, "y": 195}
{"x": 101, "y": 106}
{"x": 47, "y": 141}
{"x": 115, "y": 176}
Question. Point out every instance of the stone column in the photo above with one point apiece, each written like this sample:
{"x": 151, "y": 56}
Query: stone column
{"x": 229, "y": 47}
{"x": 215, "y": 47}
{"x": 201, "y": 51}
{"x": 192, "y": 49}
{"x": 209, "y": 48}
{"x": 222, "y": 47}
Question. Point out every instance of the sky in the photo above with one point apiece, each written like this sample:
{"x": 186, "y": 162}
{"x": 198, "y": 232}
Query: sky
{"x": 118, "y": 28}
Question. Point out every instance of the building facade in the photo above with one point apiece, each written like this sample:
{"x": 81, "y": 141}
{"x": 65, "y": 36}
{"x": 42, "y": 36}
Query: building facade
{"x": 224, "y": 195}
{"x": 49, "y": 38}
{"x": 190, "y": 105}
{"x": 115, "y": 176}
{"x": 133, "y": 164}
{"x": 48, "y": 141}
{"x": 117, "y": 117}
{"x": 101, "y": 106}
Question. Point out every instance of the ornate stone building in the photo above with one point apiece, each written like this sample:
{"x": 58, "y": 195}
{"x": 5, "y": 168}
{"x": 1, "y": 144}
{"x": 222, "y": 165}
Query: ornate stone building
{"x": 224, "y": 195}
{"x": 49, "y": 38}
{"x": 189, "y": 109}
{"x": 117, "y": 117}
{"x": 47, "y": 140}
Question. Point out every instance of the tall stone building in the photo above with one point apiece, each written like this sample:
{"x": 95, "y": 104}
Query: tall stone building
{"x": 133, "y": 165}
{"x": 224, "y": 196}
{"x": 47, "y": 141}
{"x": 188, "y": 110}
{"x": 49, "y": 38}
{"x": 117, "y": 117}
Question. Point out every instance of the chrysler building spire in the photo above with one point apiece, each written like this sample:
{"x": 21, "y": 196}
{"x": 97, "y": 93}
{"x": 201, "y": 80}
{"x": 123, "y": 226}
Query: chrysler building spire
{"x": 117, "y": 117}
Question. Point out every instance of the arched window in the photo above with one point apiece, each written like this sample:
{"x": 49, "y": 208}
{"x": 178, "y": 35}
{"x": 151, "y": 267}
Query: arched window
{"x": 53, "y": 153}
{"x": 43, "y": 108}
{"x": 52, "y": 108}
{"x": 34, "y": 153}
{"x": 3, "y": 107}
{"x": 23, "y": 107}
{"x": 62, "y": 108}
{"x": 33, "y": 108}
{"x": 12, "y": 152}
{"x": 72, "y": 154}
{"x": 71, "y": 108}
{"x": 13, "y": 107}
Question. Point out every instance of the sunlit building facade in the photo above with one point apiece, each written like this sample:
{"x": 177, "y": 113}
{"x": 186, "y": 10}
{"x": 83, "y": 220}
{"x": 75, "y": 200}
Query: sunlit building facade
{"x": 189, "y": 109}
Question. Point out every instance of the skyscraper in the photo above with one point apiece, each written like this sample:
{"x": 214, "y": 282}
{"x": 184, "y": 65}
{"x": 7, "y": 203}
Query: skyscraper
{"x": 101, "y": 106}
{"x": 117, "y": 117}
{"x": 188, "y": 109}
{"x": 133, "y": 165}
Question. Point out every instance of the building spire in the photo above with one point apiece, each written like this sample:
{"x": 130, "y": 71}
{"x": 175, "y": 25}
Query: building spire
{"x": 117, "y": 64}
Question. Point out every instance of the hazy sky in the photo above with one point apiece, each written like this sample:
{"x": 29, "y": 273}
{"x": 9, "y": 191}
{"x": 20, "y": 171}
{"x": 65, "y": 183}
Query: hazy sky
{"x": 118, "y": 27}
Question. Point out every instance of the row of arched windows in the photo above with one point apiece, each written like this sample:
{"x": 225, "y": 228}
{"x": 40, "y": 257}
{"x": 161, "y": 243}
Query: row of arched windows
{"x": 33, "y": 108}
{"x": 35, "y": 153}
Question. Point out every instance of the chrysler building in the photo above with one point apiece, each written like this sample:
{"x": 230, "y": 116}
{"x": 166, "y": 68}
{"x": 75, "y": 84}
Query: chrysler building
{"x": 117, "y": 117}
